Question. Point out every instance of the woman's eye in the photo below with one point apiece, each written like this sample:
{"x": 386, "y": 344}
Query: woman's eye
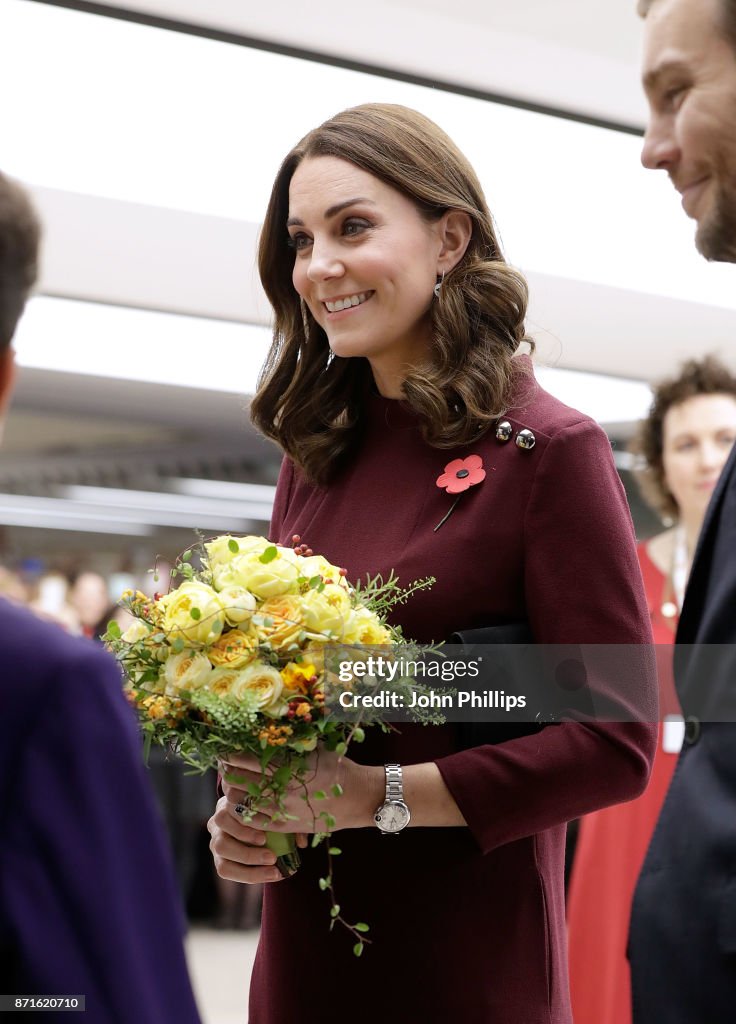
{"x": 727, "y": 439}
{"x": 299, "y": 241}
{"x": 354, "y": 226}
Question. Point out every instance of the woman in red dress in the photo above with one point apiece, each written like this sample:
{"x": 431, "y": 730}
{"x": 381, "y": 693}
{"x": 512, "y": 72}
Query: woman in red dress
{"x": 685, "y": 441}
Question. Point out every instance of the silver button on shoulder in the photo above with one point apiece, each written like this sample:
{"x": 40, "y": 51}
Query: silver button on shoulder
{"x": 504, "y": 430}
{"x": 525, "y": 439}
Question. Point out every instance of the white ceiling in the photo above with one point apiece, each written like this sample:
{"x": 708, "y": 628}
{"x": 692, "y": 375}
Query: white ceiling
{"x": 608, "y": 28}
{"x": 576, "y": 55}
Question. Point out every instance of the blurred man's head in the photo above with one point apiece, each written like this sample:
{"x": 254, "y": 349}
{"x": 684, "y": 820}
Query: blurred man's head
{"x": 20, "y": 234}
{"x": 689, "y": 78}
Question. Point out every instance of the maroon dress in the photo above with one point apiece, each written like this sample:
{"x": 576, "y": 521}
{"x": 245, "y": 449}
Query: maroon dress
{"x": 468, "y": 924}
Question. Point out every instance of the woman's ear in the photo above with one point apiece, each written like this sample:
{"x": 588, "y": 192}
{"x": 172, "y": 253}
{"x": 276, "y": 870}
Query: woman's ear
{"x": 455, "y": 231}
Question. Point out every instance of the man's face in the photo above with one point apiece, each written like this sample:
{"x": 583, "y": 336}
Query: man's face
{"x": 689, "y": 76}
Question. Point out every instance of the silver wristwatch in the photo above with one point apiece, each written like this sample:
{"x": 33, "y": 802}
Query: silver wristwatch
{"x": 393, "y": 815}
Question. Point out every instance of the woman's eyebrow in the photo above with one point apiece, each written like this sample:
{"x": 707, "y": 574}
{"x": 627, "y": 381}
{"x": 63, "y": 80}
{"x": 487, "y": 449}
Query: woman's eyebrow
{"x": 332, "y": 211}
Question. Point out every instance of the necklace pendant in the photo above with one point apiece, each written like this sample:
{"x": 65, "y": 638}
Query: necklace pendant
{"x": 669, "y": 609}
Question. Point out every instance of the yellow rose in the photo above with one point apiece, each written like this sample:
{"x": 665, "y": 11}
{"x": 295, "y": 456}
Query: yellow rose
{"x": 194, "y": 612}
{"x": 326, "y": 612}
{"x": 234, "y": 649}
{"x": 279, "y": 623}
{"x": 225, "y": 681}
{"x": 136, "y": 631}
{"x": 317, "y": 565}
{"x": 266, "y": 682}
{"x": 219, "y": 550}
{"x": 363, "y": 627}
{"x": 239, "y": 605}
{"x": 269, "y": 579}
{"x": 187, "y": 671}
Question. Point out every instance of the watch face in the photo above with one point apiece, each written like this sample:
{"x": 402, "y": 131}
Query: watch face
{"x": 392, "y": 817}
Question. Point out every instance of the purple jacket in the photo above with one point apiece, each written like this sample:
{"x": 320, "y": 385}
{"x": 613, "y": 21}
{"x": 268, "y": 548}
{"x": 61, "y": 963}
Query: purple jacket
{"x": 88, "y": 902}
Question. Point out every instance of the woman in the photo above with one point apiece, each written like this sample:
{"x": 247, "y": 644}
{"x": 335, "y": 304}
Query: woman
{"x": 685, "y": 441}
{"x": 397, "y": 323}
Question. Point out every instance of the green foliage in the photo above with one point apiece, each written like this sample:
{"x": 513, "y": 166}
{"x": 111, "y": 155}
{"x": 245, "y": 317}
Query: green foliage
{"x": 204, "y": 728}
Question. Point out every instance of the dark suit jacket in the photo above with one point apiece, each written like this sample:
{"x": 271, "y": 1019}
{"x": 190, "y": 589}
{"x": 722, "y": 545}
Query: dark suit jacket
{"x": 88, "y": 904}
{"x": 683, "y": 930}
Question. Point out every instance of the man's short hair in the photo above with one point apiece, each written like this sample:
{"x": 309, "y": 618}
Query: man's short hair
{"x": 728, "y": 16}
{"x": 20, "y": 234}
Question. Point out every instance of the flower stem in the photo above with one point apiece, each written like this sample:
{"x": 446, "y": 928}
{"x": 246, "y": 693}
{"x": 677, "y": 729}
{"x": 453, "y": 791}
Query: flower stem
{"x": 449, "y": 512}
{"x": 283, "y": 844}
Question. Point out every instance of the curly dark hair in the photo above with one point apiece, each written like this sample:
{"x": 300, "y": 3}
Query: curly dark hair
{"x": 20, "y": 234}
{"x": 706, "y": 376}
{"x": 310, "y": 401}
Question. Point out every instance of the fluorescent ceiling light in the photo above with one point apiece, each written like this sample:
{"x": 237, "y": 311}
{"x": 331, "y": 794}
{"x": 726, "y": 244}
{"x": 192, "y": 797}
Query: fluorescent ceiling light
{"x": 605, "y": 399}
{"x": 137, "y": 344}
{"x": 191, "y": 352}
{"x": 106, "y": 510}
{"x": 56, "y": 514}
{"x": 571, "y": 200}
{"x": 170, "y": 509}
{"x": 226, "y": 490}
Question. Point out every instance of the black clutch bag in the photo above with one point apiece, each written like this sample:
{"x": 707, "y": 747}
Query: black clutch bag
{"x": 553, "y": 679}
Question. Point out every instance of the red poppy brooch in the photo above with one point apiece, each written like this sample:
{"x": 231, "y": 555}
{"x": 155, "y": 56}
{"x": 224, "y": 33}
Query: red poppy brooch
{"x": 459, "y": 476}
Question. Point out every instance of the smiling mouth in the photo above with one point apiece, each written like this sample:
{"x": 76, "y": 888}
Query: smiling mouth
{"x": 692, "y": 190}
{"x": 347, "y": 302}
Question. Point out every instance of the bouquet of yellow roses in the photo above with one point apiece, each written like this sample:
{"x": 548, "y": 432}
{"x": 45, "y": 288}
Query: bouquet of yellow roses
{"x": 233, "y": 659}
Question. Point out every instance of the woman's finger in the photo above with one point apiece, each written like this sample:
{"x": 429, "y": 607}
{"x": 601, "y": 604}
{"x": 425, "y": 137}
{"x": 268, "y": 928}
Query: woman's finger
{"x": 249, "y": 876}
{"x": 225, "y": 819}
{"x": 247, "y": 761}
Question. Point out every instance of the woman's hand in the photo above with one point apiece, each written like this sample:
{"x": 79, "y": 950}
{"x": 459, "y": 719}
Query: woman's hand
{"x": 240, "y": 851}
{"x": 361, "y": 788}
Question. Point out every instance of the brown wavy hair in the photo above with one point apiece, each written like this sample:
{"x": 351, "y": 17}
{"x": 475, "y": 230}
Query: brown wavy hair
{"x": 20, "y": 233}
{"x": 309, "y": 400}
{"x": 706, "y": 376}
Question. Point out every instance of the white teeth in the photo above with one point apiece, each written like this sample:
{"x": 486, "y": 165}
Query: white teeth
{"x": 351, "y": 300}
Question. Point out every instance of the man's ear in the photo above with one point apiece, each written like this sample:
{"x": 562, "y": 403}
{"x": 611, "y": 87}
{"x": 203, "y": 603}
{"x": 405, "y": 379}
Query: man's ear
{"x": 7, "y": 376}
{"x": 456, "y": 229}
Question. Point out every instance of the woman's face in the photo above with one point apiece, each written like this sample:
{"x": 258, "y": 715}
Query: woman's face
{"x": 697, "y": 437}
{"x": 365, "y": 263}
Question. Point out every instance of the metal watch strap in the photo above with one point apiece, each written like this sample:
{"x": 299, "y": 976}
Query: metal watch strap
{"x": 394, "y": 783}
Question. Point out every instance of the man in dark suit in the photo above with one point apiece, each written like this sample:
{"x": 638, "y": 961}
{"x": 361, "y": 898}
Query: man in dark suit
{"x": 682, "y": 943}
{"x": 88, "y": 904}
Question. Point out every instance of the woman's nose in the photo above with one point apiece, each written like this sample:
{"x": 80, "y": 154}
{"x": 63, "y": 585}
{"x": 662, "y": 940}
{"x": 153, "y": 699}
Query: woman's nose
{"x": 324, "y": 263}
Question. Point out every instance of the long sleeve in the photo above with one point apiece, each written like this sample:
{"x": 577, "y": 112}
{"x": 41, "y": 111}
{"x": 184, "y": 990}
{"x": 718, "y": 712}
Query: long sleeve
{"x": 582, "y": 586}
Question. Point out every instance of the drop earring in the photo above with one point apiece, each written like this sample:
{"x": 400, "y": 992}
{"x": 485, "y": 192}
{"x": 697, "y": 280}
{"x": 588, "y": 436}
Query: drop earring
{"x": 438, "y": 286}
